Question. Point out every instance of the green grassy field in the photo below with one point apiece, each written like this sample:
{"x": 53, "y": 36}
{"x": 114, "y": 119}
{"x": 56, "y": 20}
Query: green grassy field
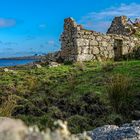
{"x": 77, "y": 93}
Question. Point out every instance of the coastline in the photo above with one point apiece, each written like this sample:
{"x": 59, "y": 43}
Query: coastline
{"x": 23, "y": 58}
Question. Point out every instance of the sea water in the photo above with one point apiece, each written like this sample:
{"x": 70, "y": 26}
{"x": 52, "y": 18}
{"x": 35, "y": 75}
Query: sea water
{"x": 10, "y": 62}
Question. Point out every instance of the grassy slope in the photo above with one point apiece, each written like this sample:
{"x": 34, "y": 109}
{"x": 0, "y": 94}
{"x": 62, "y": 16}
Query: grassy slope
{"x": 76, "y": 93}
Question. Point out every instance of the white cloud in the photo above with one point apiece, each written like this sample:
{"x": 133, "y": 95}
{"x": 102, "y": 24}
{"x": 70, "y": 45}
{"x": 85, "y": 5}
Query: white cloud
{"x": 30, "y": 37}
{"x": 7, "y": 22}
{"x": 42, "y": 26}
{"x": 52, "y": 43}
{"x": 100, "y": 21}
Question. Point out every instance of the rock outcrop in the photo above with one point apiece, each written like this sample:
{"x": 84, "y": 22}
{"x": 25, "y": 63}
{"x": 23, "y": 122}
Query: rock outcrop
{"x": 11, "y": 129}
{"x": 130, "y": 131}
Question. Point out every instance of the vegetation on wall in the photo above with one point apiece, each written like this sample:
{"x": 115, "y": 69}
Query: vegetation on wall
{"x": 137, "y": 34}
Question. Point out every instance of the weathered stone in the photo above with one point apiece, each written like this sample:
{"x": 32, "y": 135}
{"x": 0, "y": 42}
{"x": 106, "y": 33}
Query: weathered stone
{"x": 99, "y": 38}
{"x": 78, "y": 42}
{"x": 106, "y": 53}
{"x": 96, "y": 50}
{"x": 118, "y": 26}
{"x": 38, "y": 66}
{"x": 94, "y": 43}
{"x": 111, "y": 132}
{"x": 110, "y": 55}
{"x": 85, "y": 50}
{"x": 54, "y": 64}
{"x": 85, "y": 57}
{"x": 132, "y": 44}
{"x": 79, "y": 50}
{"x": 104, "y": 44}
{"x": 12, "y": 129}
{"x": 125, "y": 50}
{"x": 86, "y": 42}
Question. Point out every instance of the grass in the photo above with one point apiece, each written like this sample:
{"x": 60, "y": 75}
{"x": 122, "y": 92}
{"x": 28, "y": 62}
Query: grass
{"x": 76, "y": 93}
{"x": 120, "y": 93}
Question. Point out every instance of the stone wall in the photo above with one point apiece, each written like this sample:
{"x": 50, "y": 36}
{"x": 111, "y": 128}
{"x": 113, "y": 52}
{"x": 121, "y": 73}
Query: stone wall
{"x": 68, "y": 40}
{"x": 118, "y": 26}
{"x": 79, "y": 44}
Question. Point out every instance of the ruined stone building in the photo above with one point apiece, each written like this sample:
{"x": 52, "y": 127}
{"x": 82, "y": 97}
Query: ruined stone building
{"x": 79, "y": 44}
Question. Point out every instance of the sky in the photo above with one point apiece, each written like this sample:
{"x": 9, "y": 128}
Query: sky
{"x": 29, "y": 27}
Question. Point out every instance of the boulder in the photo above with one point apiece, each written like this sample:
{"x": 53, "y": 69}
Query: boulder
{"x": 11, "y": 129}
{"x": 129, "y": 131}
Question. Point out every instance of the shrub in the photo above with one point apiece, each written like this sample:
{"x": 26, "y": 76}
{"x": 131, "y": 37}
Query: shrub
{"x": 68, "y": 62}
{"x": 115, "y": 119}
{"x": 120, "y": 93}
{"x": 8, "y": 106}
{"x": 78, "y": 123}
{"x": 107, "y": 67}
{"x": 72, "y": 80}
{"x": 79, "y": 66}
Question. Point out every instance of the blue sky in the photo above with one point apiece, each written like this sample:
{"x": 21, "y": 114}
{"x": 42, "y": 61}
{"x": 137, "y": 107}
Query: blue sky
{"x": 28, "y": 27}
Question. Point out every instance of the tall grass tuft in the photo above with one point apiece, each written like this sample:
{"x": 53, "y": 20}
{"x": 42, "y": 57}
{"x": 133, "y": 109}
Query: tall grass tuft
{"x": 79, "y": 66}
{"x": 120, "y": 93}
{"x": 7, "y": 106}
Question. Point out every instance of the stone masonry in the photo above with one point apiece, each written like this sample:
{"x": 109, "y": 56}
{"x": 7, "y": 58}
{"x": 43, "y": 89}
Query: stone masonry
{"x": 79, "y": 44}
{"x": 118, "y": 26}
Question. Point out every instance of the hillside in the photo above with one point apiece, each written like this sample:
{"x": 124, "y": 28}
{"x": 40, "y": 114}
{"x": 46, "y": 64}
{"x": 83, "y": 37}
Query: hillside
{"x": 87, "y": 94}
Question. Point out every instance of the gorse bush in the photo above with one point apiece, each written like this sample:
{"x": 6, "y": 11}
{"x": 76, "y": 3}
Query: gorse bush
{"x": 120, "y": 94}
{"x": 8, "y": 105}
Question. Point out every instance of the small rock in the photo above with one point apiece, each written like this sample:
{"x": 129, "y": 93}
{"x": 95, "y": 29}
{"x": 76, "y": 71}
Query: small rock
{"x": 38, "y": 66}
{"x": 6, "y": 70}
{"x": 54, "y": 64}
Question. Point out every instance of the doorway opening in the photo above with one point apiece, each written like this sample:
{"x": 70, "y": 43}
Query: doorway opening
{"x": 118, "y": 44}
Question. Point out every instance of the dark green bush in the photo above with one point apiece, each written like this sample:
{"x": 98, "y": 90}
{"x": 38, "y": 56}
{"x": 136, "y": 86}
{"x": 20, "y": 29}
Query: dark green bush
{"x": 68, "y": 62}
{"x": 78, "y": 123}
